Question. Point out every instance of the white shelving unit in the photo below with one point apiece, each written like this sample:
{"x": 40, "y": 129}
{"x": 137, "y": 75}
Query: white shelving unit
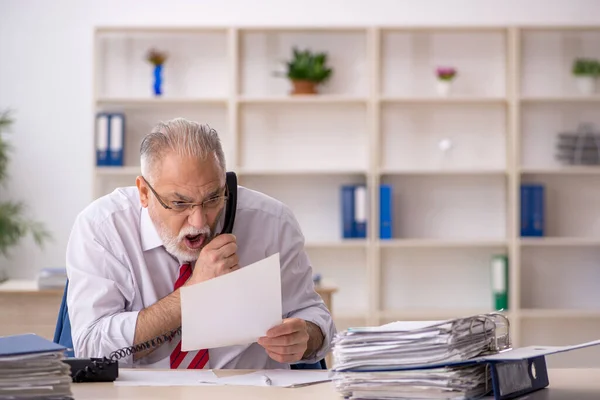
{"x": 379, "y": 120}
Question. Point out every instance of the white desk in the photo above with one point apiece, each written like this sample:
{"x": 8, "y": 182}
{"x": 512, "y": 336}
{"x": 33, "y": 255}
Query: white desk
{"x": 566, "y": 384}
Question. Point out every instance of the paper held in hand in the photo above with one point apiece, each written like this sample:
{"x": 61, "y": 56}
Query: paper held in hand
{"x": 233, "y": 309}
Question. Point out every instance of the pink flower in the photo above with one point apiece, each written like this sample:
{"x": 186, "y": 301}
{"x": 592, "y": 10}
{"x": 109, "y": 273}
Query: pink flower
{"x": 446, "y": 73}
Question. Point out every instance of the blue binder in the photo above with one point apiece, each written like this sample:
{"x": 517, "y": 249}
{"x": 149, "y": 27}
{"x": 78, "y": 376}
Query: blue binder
{"x": 18, "y": 345}
{"x": 532, "y": 210}
{"x": 110, "y": 139}
{"x": 385, "y": 212}
{"x": 348, "y": 228}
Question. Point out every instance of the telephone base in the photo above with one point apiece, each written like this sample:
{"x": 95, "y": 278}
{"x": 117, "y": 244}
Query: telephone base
{"x": 93, "y": 369}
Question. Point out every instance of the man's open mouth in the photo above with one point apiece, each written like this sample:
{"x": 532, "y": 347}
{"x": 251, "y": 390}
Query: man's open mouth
{"x": 194, "y": 241}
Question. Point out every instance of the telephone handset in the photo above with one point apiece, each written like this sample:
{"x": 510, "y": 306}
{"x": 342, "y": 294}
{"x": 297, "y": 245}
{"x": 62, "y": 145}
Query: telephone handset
{"x": 106, "y": 369}
{"x": 230, "y": 207}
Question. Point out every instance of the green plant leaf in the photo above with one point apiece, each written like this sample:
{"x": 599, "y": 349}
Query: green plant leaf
{"x": 14, "y": 224}
{"x": 309, "y": 66}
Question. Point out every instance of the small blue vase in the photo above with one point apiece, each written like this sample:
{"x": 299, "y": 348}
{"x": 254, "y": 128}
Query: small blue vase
{"x": 158, "y": 80}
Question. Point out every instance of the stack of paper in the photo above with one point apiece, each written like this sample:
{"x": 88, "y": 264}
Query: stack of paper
{"x": 418, "y": 359}
{"x": 32, "y": 368}
{"x": 52, "y": 278}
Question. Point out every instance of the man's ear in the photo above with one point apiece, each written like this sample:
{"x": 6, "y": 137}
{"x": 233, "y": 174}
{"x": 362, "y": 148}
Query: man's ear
{"x": 143, "y": 190}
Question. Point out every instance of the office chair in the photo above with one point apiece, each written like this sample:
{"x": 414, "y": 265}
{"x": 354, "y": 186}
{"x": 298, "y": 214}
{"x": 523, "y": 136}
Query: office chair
{"x": 62, "y": 335}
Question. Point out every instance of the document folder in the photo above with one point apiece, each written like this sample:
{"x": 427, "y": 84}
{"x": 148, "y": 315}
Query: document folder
{"x": 32, "y": 367}
{"x": 19, "y": 345}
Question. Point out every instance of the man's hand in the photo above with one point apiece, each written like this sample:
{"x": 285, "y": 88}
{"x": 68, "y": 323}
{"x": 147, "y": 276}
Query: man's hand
{"x": 292, "y": 340}
{"x": 219, "y": 257}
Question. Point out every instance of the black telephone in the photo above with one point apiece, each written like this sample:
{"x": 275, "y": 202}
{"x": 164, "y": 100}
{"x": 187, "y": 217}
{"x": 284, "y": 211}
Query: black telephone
{"x": 107, "y": 369}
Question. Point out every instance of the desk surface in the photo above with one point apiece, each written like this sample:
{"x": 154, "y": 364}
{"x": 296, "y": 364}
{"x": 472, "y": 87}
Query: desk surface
{"x": 580, "y": 384}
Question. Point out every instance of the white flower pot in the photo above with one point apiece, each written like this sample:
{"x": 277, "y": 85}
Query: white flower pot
{"x": 585, "y": 84}
{"x": 443, "y": 87}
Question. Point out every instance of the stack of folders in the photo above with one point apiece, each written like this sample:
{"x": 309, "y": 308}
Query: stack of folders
{"x": 31, "y": 367}
{"x": 418, "y": 359}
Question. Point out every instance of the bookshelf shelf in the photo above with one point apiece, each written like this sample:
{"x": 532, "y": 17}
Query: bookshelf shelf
{"x": 454, "y": 163}
{"x": 118, "y": 171}
{"x": 562, "y": 99}
{"x": 157, "y": 102}
{"x": 575, "y": 170}
{"x": 559, "y": 314}
{"x": 429, "y": 314}
{"x": 463, "y": 100}
{"x": 444, "y": 172}
{"x": 342, "y": 244}
{"x": 302, "y": 99}
{"x": 299, "y": 172}
{"x": 433, "y": 244}
{"x": 560, "y": 242}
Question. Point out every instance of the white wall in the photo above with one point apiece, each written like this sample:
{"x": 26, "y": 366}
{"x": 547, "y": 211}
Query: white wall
{"x": 46, "y": 76}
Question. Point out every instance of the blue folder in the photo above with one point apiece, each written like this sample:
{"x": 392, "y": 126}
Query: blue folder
{"x": 29, "y": 343}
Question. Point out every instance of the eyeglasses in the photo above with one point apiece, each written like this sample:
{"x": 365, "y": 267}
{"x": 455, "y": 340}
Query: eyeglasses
{"x": 185, "y": 208}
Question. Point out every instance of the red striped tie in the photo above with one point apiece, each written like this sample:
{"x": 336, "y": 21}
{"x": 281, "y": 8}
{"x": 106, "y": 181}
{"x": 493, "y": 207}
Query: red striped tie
{"x": 200, "y": 359}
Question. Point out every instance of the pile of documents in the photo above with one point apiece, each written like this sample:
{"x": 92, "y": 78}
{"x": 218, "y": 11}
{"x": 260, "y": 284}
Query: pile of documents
{"x": 32, "y": 368}
{"x": 52, "y": 278}
{"x": 418, "y": 359}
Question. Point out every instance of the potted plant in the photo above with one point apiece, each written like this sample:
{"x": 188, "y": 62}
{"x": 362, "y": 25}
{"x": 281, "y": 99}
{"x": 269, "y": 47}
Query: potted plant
{"x": 14, "y": 225}
{"x": 586, "y": 71}
{"x": 157, "y": 59}
{"x": 306, "y": 70}
{"x": 445, "y": 76}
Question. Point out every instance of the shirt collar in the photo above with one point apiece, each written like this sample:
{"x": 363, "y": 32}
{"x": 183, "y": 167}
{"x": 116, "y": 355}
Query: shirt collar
{"x": 150, "y": 237}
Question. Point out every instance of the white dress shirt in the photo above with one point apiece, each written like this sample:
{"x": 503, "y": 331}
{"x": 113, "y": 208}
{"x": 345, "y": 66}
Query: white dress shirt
{"x": 117, "y": 265}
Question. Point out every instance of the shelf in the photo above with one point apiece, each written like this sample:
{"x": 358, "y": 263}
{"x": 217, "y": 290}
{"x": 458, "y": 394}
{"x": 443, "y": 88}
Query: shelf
{"x": 298, "y": 172}
{"x": 467, "y": 100}
{"x": 117, "y": 171}
{"x": 559, "y": 242}
{"x": 150, "y": 101}
{"x": 574, "y": 170}
{"x": 558, "y": 313}
{"x": 342, "y": 244}
{"x": 302, "y": 99}
{"x": 561, "y": 99}
{"x": 430, "y": 314}
{"x": 442, "y": 172}
{"x": 432, "y": 243}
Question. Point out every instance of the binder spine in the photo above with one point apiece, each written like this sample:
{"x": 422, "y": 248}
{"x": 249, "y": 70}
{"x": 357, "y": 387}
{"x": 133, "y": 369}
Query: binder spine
{"x": 385, "y": 210}
{"x": 360, "y": 211}
{"x": 348, "y": 211}
{"x": 499, "y": 276}
{"x": 513, "y": 379}
{"x": 532, "y": 210}
{"x": 102, "y": 132}
{"x": 117, "y": 127}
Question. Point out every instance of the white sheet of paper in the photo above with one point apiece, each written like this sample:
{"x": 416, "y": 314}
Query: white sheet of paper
{"x": 176, "y": 377}
{"x": 232, "y": 309}
{"x": 278, "y": 377}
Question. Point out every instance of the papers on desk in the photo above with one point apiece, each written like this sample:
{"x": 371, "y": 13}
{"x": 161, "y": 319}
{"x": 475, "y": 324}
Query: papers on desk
{"x": 32, "y": 367}
{"x": 411, "y": 359}
{"x": 276, "y": 378}
{"x": 233, "y": 309}
{"x": 179, "y": 377}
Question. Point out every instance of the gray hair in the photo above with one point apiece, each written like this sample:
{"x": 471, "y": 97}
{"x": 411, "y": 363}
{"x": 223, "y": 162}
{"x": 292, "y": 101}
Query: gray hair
{"x": 185, "y": 138}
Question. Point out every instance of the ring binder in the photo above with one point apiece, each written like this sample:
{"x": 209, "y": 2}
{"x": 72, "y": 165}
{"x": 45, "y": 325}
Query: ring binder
{"x": 461, "y": 358}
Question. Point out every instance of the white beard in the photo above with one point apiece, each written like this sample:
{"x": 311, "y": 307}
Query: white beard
{"x": 175, "y": 245}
